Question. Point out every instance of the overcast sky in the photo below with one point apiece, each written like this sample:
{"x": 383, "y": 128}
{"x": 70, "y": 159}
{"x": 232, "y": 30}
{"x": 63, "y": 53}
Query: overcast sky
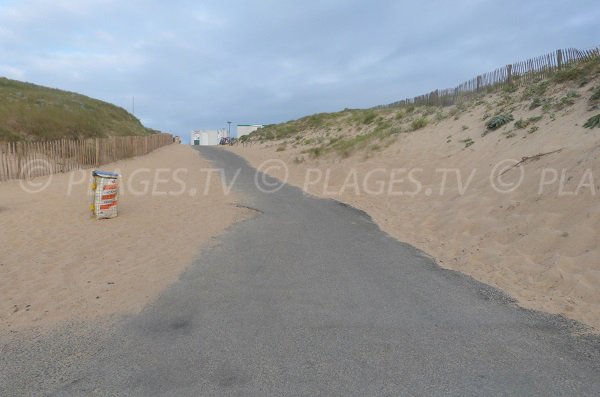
{"x": 198, "y": 64}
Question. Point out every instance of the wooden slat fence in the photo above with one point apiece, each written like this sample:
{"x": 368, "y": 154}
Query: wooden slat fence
{"x": 517, "y": 73}
{"x": 20, "y": 160}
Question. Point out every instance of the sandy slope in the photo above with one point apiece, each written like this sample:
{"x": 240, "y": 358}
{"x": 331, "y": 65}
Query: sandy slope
{"x": 540, "y": 243}
{"x": 57, "y": 263}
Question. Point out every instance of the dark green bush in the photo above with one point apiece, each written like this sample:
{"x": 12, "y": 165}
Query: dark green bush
{"x": 593, "y": 122}
{"x": 498, "y": 121}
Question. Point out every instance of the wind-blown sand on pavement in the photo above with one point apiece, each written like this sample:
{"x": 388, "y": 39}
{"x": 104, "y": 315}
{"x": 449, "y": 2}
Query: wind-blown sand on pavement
{"x": 540, "y": 243}
{"x": 57, "y": 263}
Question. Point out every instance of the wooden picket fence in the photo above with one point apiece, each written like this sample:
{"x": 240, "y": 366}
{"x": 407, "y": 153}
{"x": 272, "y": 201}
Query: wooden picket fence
{"x": 23, "y": 160}
{"x": 517, "y": 73}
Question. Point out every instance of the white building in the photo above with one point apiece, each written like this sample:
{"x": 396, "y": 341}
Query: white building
{"x": 245, "y": 129}
{"x": 205, "y": 138}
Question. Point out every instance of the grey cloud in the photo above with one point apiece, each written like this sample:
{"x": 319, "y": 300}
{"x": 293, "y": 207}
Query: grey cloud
{"x": 198, "y": 64}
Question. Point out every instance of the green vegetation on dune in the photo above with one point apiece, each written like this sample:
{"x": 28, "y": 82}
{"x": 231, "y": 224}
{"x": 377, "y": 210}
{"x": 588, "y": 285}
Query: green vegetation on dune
{"x": 578, "y": 72}
{"x": 32, "y": 112}
{"x": 369, "y": 130}
{"x": 498, "y": 121}
{"x": 592, "y": 122}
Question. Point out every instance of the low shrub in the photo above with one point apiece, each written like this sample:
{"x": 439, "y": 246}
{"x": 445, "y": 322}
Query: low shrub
{"x": 567, "y": 74}
{"x": 525, "y": 123}
{"x": 520, "y": 123}
{"x": 536, "y": 103}
{"x": 593, "y": 122}
{"x": 499, "y": 120}
{"x": 418, "y": 123}
{"x": 576, "y": 71}
{"x": 535, "y": 90}
{"x": 369, "y": 117}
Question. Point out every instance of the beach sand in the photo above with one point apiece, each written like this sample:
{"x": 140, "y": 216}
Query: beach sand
{"x": 539, "y": 243}
{"x": 58, "y": 264}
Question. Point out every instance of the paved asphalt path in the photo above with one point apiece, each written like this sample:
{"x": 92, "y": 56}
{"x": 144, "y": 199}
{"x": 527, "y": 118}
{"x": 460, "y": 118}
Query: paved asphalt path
{"x": 310, "y": 298}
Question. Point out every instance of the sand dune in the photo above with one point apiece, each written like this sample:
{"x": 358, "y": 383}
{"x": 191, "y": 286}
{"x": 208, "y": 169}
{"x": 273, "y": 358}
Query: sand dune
{"x": 540, "y": 243}
{"x": 58, "y": 264}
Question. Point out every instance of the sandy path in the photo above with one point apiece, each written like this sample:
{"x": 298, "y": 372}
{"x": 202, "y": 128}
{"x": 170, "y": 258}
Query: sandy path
{"x": 311, "y": 298}
{"x": 57, "y": 263}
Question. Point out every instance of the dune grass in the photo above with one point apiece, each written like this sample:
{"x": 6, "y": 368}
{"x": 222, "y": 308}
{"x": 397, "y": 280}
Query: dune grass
{"x": 32, "y": 112}
{"x": 353, "y": 130}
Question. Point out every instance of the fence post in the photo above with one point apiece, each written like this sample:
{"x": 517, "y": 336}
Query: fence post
{"x": 559, "y": 58}
{"x": 478, "y": 83}
{"x": 96, "y": 163}
{"x": 509, "y": 74}
{"x": 19, "y": 158}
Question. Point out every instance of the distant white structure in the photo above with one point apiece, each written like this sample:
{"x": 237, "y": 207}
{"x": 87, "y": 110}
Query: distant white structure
{"x": 245, "y": 129}
{"x": 205, "y": 137}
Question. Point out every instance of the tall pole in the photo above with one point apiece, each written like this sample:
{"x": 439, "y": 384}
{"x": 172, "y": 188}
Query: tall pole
{"x": 229, "y": 129}
{"x": 133, "y": 105}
